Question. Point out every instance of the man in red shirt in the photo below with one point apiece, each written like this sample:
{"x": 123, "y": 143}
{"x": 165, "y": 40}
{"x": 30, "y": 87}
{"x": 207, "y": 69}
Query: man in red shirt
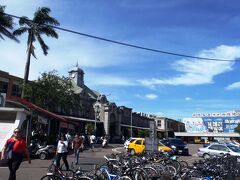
{"x": 14, "y": 149}
{"x": 77, "y": 145}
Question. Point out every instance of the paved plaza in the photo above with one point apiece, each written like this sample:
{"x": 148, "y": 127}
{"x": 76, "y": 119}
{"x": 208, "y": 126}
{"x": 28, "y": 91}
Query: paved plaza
{"x": 88, "y": 160}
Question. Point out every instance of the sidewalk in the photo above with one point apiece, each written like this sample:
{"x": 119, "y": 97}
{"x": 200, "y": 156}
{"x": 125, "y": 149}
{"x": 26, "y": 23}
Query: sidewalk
{"x": 88, "y": 159}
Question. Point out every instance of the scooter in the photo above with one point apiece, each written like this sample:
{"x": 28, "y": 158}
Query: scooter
{"x": 43, "y": 152}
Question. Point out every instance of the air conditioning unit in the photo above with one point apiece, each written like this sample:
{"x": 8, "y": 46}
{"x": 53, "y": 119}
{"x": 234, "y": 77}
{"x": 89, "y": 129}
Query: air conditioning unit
{"x": 2, "y": 99}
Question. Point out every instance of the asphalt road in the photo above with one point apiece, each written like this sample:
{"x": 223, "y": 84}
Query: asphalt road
{"x": 88, "y": 160}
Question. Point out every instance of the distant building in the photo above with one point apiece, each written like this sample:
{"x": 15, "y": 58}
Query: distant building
{"x": 166, "y": 127}
{"x": 10, "y": 84}
{"x": 211, "y": 125}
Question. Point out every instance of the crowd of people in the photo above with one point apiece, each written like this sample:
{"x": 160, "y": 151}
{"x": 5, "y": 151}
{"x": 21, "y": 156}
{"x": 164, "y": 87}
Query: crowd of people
{"x": 16, "y": 149}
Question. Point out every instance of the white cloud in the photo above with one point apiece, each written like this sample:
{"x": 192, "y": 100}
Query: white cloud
{"x": 151, "y": 96}
{"x": 159, "y": 114}
{"x": 188, "y": 98}
{"x": 232, "y": 86}
{"x": 196, "y": 72}
{"x": 107, "y": 80}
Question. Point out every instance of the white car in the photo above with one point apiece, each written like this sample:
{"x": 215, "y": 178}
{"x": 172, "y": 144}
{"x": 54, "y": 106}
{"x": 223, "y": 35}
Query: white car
{"x": 126, "y": 143}
{"x": 217, "y": 149}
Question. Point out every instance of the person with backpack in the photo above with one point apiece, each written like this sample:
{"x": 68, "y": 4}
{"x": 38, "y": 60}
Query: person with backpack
{"x": 14, "y": 150}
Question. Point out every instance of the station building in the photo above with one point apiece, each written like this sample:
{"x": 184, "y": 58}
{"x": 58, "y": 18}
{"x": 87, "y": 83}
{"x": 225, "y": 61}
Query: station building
{"x": 107, "y": 117}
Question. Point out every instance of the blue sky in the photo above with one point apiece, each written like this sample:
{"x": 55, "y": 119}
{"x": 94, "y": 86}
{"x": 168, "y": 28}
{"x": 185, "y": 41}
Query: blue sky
{"x": 146, "y": 81}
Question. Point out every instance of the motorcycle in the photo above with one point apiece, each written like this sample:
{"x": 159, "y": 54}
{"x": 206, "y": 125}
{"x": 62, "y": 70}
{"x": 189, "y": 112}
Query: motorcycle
{"x": 43, "y": 152}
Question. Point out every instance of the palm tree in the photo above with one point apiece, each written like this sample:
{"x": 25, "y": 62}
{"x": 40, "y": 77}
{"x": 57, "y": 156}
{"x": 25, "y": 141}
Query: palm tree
{"x": 41, "y": 24}
{"x": 6, "y": 24}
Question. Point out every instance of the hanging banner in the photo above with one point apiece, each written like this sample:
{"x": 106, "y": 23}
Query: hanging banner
{"x": 211, "y": 124}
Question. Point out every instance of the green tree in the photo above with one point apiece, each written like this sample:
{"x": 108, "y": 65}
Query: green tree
{"x": 6, "y": 24}
{"x": 41, "y": 24}
{"x": 52, "y": 92}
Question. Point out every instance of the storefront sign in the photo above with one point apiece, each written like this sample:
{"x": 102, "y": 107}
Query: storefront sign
{"x": 211, "y": 124}
{"x": 225, "y": 114}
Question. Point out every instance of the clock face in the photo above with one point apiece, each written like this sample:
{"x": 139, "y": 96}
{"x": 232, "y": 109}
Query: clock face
{"x": 73, "y": 75}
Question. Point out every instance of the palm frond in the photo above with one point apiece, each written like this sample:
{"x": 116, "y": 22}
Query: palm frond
{"x": 42, "y": 17}
{"x": 48, "y": 31}
{"x": 6, "y": 24}
{"x": 33, "y": 52}
{"x": 20, "y": 31}
{"x": 8, "y": 34}
{"x": 25, "y": 21}
{"x": 43, "y": 45}
{"x": 1, "y": 37}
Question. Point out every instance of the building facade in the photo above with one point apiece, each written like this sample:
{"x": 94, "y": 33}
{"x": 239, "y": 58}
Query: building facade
{"x": 94, "y": 108}
{"x": 166, "y": 127}
{"x": 9, "y": 84}
{"x": 207, "y": 126}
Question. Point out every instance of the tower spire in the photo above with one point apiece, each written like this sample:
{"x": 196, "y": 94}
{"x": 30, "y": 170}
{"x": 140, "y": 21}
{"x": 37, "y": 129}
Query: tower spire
{"x": 77, "y": 64}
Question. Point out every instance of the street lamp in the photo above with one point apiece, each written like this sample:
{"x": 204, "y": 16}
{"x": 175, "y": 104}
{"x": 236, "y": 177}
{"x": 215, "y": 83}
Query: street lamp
{"x": 96, "y": 109}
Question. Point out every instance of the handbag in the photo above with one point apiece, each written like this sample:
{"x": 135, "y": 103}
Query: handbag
{"x": 9, "y": 150}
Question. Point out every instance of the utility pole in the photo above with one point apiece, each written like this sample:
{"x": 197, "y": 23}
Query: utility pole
{"x": 131, "y": 123}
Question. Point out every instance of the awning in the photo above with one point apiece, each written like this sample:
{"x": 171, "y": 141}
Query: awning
{"x": 36, "y": 108}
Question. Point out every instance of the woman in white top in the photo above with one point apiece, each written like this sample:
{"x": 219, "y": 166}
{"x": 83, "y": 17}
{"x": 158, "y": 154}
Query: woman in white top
{"x": 62, "y": 152}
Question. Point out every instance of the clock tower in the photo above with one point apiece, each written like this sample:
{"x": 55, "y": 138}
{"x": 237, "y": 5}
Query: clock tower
{"x": 77, "y": 75}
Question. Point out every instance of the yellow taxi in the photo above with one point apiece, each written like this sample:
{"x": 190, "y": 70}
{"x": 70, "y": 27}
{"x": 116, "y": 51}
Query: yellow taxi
{"x": 137, "y": 146}
{"x": 162, "y": 147}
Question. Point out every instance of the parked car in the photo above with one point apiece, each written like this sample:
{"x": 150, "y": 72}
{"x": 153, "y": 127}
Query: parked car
{"x": 137, "y": 146}
{"x": 162, "y": 147}
{"x": 177, "y": 145}
{"x": 218, "y": 150}
{"x": 128, "y": 141}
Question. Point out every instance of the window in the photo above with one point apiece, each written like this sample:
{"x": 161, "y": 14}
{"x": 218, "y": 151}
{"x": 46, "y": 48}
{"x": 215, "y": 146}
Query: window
{"x": 159, "y": 123}
{"x": 3, "y": 87}
{"x": 223, "y": 148}
{"x": 213, "y": 147}
{"x": 16, "y": 90}
{"x": 139, "y": 142}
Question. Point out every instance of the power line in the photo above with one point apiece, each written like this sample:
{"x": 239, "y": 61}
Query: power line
{"x": 129, "y": 45}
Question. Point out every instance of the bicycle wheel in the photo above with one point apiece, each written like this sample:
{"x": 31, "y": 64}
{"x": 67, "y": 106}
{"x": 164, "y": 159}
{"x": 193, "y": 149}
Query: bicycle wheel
{"x": 170, "y": 170}
{"x": 84, "y": 178}
{"x": 184, "y": 164}
{"x": 139, "y": 174}
{"x": 68, "y": 174}
{"x": 151, "y": 172}
{"x": 50, "y": 177}
{"x": 102, "y": 175}
{"x": 159, "y": 168}
{"x": 175, "y": 164}
{"x": 125, "y": 178}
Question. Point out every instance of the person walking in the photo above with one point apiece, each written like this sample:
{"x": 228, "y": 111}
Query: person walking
{"x": 14, "y": 149}
{"x": 76, "y": 146}
{"x": 92, "y": 141}
{"x": 62, "y": 152}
